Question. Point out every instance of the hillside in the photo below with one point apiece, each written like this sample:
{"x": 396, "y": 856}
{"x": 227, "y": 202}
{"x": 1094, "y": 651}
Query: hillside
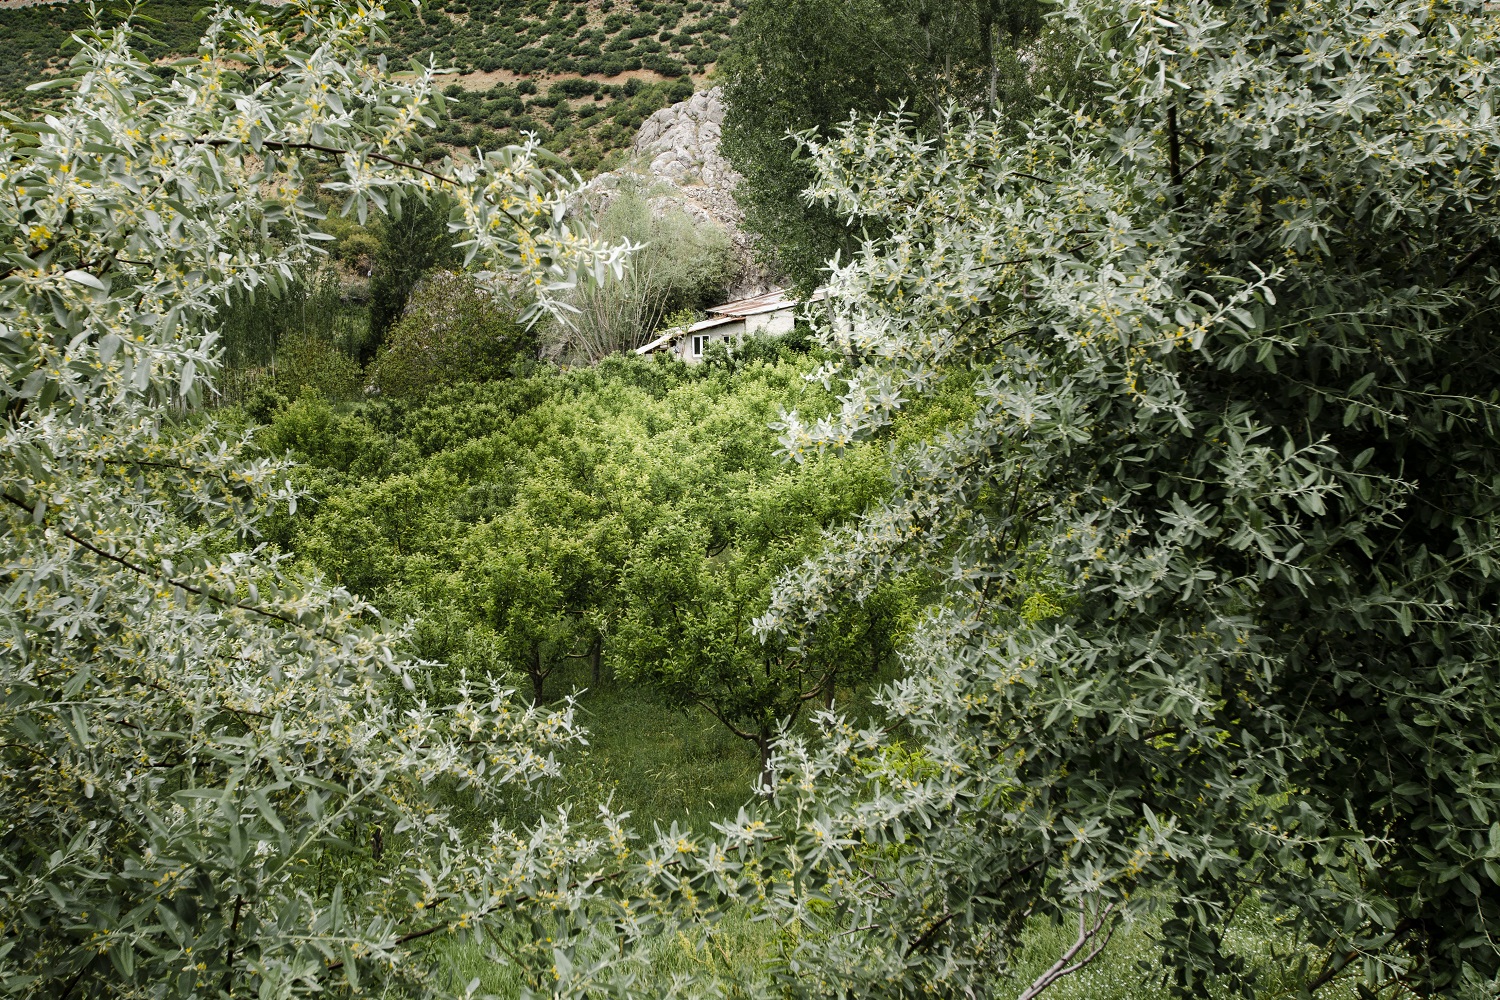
{"x": 582, "y": 74}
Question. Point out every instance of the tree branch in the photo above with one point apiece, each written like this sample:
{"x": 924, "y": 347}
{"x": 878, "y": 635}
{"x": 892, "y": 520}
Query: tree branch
{"x": 320, "y": 148}
{"x": 928, "y": 934}
{"x": 234, "y": 929}
{"x": 1468, "y": 261}
{"x": 1336, "y": 963}
{"x": 1086, "y": 933}
{"x": 1174, "y": 147}
{"x": 149, "y": 574}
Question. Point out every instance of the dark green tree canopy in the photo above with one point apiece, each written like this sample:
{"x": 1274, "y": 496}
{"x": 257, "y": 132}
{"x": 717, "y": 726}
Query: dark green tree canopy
{"x": 806, "y": 65}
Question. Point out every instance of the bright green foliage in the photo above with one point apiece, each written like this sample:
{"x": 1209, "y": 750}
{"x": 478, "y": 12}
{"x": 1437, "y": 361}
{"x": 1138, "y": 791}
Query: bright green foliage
{"x": 308, "y": 363}
{"x": 451, "y": 332}
{"x": 634, "y": 517}
{"x": 195, "y": 741}
{"x": 1232, "y": 342}
{"x": 689, "y": 602}
{"x": 538, "y": 578}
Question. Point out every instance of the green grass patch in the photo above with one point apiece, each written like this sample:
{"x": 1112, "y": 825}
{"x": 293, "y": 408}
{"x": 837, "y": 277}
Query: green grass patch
{"x": 661, "y": 764}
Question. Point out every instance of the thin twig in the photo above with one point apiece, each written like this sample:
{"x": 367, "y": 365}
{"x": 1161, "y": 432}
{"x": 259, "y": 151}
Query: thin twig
{"x": 1061, "y": 968}
{"x": 1174, "y": 148}
{"x": 319, "y": 148}
{"x": 143, "y": 571}
{"x": 234, "y": 928}
{"x": 928, "y": 935}
{"x": 1336, "y": 963}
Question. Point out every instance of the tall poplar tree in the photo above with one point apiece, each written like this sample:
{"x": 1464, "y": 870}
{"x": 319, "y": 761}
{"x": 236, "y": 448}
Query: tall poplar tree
{"x": 806, "y": 65}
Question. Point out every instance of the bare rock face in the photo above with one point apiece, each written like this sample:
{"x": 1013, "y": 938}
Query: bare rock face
{"x": 677, "y": 153}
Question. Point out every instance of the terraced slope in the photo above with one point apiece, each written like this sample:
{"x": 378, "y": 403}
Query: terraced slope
{"x": 567, "y": 37}
{"x": 34, "y": 39}
{"x": 583, "y": 74}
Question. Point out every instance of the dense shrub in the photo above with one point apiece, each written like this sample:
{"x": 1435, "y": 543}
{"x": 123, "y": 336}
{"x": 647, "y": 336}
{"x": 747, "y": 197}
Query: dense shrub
{"x": 308, "y": 362}
{"x": 451, "y": 332}
{"x": 206, "y": 784}
{"x": 632, "y": 515}
{"x": 574, "y": 88}
{"x": 409, "y": 247}
{"x": 1231, "y": 339}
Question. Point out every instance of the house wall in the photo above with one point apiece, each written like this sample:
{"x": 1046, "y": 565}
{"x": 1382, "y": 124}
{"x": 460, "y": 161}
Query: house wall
{"x": 768, "y": 324}
{"x": 682, "y": 347}
{"x": 772, "y": 324}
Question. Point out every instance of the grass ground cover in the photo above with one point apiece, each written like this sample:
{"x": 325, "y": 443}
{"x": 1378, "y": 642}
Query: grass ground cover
{"x": 668, "y": 766}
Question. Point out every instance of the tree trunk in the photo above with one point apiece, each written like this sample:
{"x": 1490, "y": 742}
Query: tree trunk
{"x": 987, "y": 44}
{"x": 538, "y": 679}
{"x": 596, "y": 656}
{"x": 763, "y": 744}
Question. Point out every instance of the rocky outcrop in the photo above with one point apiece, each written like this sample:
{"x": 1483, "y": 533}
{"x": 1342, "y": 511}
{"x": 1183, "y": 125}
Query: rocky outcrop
{"x": 680, "y": 145}
{"x": 677, "y": 158}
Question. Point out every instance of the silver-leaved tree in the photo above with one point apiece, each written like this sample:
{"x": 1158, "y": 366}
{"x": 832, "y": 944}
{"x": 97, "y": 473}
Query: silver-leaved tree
{"x": 192, "y": 739}
{"x": 1221, "y": 532}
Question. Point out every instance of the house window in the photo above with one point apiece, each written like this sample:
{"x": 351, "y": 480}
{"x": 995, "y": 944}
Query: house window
{"x": 700, "y": 341}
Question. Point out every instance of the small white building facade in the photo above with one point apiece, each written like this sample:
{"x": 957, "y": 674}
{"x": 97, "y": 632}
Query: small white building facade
{"x": 772, "y": 314}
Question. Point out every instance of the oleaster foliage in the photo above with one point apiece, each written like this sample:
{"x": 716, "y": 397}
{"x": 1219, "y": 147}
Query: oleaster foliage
{"x": 1232, "y": 324}
{"x": 193, "y": 741}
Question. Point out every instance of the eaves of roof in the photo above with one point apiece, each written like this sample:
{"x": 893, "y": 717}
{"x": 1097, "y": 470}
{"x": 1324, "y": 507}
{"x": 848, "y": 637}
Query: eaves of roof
{"x": 659, "y": 341}
{"x": 773, "y": 301}
{"x": 714, "y": 321}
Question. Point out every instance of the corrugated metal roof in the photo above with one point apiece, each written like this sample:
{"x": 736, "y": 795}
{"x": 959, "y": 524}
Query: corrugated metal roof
{"x": 676, "y": 332}
{"x": 743, "y": 307}
{"x": 773, "y": 301}
{"x": 712, "y": 322}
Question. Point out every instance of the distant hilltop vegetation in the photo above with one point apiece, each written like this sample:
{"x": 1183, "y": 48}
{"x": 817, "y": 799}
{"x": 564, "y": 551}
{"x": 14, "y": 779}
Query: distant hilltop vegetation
{"x": 582, "y": 74}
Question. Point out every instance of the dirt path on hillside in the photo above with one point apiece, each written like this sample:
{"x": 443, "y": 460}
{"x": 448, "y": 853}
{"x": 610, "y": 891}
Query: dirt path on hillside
{"x": 484, "y": 81}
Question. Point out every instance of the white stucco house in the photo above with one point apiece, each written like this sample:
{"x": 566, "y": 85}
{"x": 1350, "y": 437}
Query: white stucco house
{"x": 770, "y": 314}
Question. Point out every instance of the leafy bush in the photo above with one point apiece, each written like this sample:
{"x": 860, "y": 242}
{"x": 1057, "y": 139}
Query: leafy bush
{"x": 452, "y": 332}
{"x": 574, "y": 88}
{"x": 206, "y": 786}
{"x": 307, "y": 362}
{"x": 314, "y": 431}
{"x": 410, "y": 247}
{"x": 632, "y": 516}
{"x": 1229, "y": 333}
